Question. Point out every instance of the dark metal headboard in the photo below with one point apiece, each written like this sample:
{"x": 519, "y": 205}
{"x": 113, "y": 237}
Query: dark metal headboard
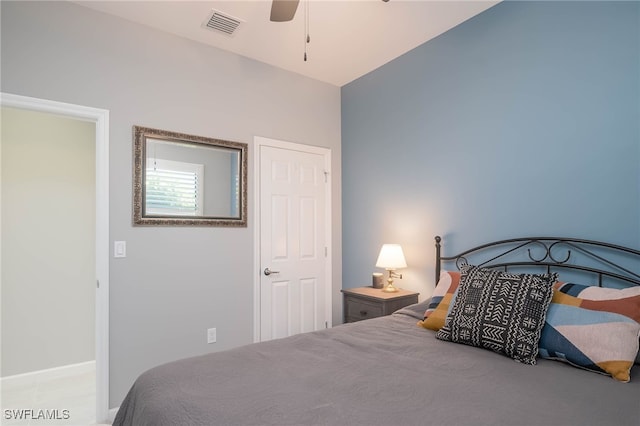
{"x": 551, "y": 254}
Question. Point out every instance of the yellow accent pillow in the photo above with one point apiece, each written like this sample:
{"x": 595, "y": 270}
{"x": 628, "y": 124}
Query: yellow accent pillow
{"x": 441, "y": 299}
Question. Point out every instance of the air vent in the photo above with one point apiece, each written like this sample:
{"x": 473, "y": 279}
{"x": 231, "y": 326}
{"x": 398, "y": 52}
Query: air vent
{"x": 221, "y": 22}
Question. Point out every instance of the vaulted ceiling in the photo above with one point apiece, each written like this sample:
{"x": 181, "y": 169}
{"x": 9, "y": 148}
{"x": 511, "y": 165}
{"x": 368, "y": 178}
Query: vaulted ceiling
{"x": 348, "y": 38}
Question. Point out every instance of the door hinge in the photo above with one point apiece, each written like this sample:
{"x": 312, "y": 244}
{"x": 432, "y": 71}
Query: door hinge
{"x": 98, "y": 283}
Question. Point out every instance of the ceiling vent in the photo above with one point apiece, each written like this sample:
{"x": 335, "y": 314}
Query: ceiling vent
{"x": 221, "y": 22}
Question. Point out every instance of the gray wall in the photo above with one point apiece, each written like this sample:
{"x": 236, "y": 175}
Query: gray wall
{"x": 48, "y": 241}
{"x": 521, "y": 121}
{"x": 175, "y": 282}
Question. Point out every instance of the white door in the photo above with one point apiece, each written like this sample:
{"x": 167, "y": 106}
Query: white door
{"x": 294, "y": 281}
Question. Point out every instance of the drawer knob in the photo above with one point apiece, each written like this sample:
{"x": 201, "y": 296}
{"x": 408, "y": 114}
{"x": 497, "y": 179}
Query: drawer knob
{"x": 363, "y": 313}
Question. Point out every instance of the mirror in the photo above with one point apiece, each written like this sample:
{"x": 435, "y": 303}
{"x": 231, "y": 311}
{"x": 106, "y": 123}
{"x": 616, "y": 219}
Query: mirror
{"x": 182, "y": 180}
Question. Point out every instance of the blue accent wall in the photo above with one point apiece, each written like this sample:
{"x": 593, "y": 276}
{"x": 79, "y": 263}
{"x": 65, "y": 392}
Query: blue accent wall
{"x": 524, "y": 120}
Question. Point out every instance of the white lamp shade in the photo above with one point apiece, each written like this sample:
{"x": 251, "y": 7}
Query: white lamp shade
{"x": 391, "y": 257}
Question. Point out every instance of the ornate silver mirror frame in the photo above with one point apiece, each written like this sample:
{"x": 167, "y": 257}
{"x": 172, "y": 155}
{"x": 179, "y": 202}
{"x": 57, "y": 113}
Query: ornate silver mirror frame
{"x": 186, "y": 180}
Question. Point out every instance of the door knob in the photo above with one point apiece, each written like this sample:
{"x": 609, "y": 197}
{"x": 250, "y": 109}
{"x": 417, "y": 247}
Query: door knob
{"x": 268, "y": 272}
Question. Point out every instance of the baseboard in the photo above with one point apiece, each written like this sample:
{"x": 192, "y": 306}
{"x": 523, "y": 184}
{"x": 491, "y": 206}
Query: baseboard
{"x": 112, "y": 414}
{"x": 52, "y": 373}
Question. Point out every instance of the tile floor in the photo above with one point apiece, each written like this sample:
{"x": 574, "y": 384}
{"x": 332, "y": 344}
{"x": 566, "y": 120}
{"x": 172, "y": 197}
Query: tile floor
{"x": 74, "y": 393}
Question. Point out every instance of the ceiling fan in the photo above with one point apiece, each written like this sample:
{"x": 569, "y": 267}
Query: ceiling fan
{"x": 283, "y": 10}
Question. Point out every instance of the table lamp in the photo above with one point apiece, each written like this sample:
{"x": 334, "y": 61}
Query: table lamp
{"x": 391, "y": 258}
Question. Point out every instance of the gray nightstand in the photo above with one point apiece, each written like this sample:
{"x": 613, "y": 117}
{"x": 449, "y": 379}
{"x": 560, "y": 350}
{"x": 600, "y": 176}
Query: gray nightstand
{"x": 367, "y": 302}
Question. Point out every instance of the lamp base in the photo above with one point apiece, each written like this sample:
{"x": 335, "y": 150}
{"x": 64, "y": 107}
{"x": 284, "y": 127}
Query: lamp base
{"x": 390, "y": 289}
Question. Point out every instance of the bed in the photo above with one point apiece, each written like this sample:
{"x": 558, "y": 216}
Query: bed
{"x": 391, "y": 371}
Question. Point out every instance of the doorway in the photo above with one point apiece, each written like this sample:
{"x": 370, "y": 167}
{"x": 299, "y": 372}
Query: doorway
{"x": 97, "y": 263}
{"x": 293, "y": 239}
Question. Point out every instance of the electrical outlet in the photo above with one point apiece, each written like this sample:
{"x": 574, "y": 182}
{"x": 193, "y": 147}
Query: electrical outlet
{"x": 211, "y": 335}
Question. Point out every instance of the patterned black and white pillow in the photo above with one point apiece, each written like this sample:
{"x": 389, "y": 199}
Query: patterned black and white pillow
{"x": 500, "y": 311}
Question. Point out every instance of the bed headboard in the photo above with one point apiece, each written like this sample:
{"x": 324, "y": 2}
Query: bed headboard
{"x": 607, "y": 262}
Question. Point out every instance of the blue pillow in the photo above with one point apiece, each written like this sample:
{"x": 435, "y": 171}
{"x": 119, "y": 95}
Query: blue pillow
{"x": 599, "y": 341}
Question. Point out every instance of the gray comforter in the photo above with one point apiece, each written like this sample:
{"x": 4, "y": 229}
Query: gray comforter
{"x": 383, "y": 371}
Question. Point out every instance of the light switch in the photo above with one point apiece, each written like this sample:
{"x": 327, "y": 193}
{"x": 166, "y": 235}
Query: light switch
{"x": 119, "y": 249}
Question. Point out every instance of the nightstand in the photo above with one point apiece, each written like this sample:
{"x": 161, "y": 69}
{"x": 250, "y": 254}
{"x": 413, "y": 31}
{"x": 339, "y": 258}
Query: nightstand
{"x": 367, "y": 302}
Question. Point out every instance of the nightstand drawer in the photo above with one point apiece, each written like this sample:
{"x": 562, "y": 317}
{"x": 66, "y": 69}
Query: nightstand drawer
{"x": 367, "y": 302}
{"x": 356, "y": 310}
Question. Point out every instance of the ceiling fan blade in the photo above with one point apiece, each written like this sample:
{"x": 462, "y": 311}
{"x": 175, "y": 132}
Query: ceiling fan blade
{"x": 283, "y": 10}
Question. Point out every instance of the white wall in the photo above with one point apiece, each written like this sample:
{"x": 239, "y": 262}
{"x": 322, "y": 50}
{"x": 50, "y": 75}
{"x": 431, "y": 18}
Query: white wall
{"x": 48, "y": 241}
{"x": 175, "y": 282}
